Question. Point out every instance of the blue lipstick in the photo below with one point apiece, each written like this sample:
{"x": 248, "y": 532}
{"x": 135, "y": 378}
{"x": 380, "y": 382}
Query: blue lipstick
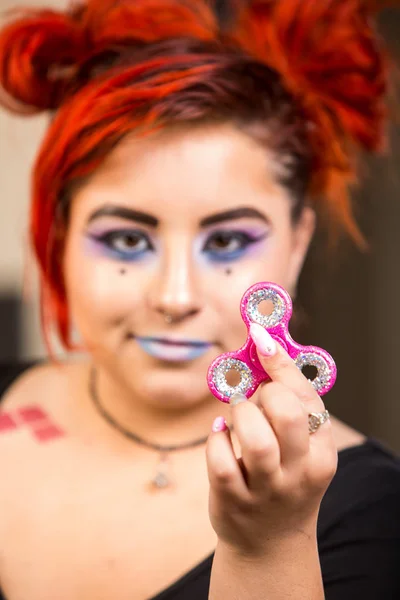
{"x": 173, "y": 350}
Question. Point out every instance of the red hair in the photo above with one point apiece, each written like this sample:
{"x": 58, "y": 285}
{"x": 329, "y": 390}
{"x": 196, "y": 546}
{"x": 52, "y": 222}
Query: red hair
{"x": 111, "y": 67}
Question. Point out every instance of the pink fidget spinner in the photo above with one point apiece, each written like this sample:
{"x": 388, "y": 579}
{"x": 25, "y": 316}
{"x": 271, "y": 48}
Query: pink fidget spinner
{"x": 245, "y": 360}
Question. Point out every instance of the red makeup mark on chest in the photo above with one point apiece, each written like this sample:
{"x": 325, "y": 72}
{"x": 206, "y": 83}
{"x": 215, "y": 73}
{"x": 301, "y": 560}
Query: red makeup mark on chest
{"x": 33, "y": 418}
{"x": 31, "y": 414}
{"x": 7, "y": 423}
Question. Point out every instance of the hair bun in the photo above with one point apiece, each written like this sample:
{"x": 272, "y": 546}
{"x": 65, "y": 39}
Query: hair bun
{"x": 331, "y": 60}
{"x": 114, "y": 22}
{"x": 38, "y": 53}
{"x": 42, "y": 51}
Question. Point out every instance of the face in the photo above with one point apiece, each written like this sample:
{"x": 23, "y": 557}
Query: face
{"x": 181, "y": 223}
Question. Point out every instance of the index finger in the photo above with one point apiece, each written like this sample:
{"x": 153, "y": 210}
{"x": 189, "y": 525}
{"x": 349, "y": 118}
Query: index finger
{"x": 281, "y": 367}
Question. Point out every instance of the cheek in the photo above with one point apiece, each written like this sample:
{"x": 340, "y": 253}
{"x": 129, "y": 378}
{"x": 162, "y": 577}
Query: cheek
{"x": 101, "y": 294}
{"x": 272, "y": 263}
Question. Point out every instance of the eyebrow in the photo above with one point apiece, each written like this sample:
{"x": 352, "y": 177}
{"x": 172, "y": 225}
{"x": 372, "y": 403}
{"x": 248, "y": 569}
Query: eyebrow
{"x": 124, "y": 213}
{"x": 236, "y": 213}
{"x": 146, "y": 219}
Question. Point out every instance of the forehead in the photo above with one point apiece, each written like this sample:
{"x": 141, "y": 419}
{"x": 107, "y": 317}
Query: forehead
{"x": 185, "y": 174}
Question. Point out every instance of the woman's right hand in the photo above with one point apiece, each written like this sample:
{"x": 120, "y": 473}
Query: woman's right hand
{"x": 273, "y": 492}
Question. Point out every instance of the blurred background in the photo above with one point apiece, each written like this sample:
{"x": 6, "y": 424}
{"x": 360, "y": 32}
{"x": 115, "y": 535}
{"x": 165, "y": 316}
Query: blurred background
{"x": 349, "y": 301}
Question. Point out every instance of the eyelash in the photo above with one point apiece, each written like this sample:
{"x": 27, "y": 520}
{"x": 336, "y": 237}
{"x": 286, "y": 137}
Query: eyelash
{"x": 243, "y": 239}
{"x": 110, "y": 238}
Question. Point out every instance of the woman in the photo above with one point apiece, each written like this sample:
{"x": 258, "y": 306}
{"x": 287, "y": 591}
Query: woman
{"x": 184, "y": 163}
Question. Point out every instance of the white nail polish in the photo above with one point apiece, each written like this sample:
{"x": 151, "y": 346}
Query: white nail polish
{"x": 262, "y": 339}
{"x": 237, "y": 399}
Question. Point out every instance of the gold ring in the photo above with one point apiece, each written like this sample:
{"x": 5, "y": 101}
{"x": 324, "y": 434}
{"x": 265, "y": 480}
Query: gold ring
{"x": 315, "y": 420}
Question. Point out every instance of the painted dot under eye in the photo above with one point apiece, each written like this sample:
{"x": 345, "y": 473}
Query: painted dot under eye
{"x": 122, "y": 271}
{"x": 228, "y": 271}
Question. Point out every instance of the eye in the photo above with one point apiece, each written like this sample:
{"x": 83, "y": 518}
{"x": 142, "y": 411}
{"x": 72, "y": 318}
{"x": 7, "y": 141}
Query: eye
{"x": 125, "y": 243}
{"x": 230, "y": 244}
{"x": 226, "y": 241}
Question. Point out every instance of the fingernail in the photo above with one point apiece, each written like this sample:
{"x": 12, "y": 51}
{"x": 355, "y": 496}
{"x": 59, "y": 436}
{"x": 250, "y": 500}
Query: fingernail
{"x": 237, "y": 399}
{"x": 219, "y": 425}
{"x": 262, "y": 339}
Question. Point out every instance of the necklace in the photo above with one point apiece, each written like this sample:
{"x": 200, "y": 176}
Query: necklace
{"x": 162, "y": 477}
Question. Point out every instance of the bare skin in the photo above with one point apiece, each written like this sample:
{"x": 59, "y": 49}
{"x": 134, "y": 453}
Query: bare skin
{"x": 78, "y": 520}
{"x": 74, "y": 485}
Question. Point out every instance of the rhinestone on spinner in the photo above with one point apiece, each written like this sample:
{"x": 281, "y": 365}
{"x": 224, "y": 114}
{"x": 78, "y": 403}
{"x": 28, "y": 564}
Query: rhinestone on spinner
{"x": 246, "y": 361}
{"x": 323, "y": 377}
{"x": 221, "y": 371}
{"x": 255, "y": 300}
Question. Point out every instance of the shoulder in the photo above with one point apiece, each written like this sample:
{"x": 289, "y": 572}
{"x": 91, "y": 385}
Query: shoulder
{"x": 42, "y": 384}
{"x": 24, "y": 404}
{"x": 38, "y": 407}
{"x": 34, "y": 401}
{"x": 37, "y": 420}
{"x": 36, "y": 416}
{"x": 36, "y": 413}
{"x": 365, "y": 489}
{"x": 359, "y": 525}
{"x": 10, "y": 372}
{"x": 19, "y": 384}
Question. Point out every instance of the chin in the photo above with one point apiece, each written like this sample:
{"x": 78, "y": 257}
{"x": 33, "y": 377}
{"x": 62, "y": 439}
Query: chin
{"x": 175, "y": 388}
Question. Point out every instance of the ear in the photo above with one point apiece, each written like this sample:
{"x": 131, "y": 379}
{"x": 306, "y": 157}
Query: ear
{"x": 303, "y": 233}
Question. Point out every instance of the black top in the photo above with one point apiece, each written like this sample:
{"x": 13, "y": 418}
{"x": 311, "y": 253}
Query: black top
{"x": 358, "y": 531}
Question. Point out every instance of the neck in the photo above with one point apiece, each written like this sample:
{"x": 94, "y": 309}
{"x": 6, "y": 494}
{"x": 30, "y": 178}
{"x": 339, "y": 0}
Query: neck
{"x": 166, "y": 424}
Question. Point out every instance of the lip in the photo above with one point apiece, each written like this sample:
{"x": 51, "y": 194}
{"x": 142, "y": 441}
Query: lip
{"x": 173, "y": 350}
{"x": 174, "y": 342}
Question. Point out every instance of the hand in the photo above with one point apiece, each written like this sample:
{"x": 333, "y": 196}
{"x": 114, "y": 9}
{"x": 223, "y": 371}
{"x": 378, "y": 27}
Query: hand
{"x": 273, "y": 492}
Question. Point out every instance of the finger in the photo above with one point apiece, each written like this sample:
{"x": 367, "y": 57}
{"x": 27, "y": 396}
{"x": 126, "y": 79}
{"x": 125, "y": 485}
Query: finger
{"x": 322, "y": 439}
{"x": 224, "y": 472}
{"x": 259, "y": 445}
{"x": 282, "y": 368}
{"x": 289, "y": 421}
{"x": 323, "y": 456}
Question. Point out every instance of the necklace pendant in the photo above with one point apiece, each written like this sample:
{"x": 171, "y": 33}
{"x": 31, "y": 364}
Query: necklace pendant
{"x": 161, "y": 480}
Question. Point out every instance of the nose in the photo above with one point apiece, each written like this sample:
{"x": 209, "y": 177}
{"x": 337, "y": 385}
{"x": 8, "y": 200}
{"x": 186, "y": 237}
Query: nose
{"x": 174, "y": 294}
